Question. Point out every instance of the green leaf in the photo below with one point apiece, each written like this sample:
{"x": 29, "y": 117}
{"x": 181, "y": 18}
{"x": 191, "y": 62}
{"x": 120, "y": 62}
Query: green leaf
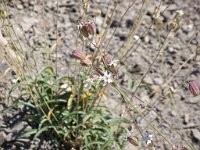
{"x": 64, "y": 78}
{"x": 29, "y": 133}
{"x": 42, "y": 122}
{"x": 86, "y": 118}
{"x": 40, "y": 131}
{"x": 21, "y": 103}
{"x": 54, "y": 101}
{"x": 131, "y": 84}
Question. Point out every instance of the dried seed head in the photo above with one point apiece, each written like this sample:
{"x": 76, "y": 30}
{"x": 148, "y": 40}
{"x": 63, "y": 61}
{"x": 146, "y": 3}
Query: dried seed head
{"x": 97, "y": 12}
{"x": 87, "y": 29}
{"x": 172, "y": 25}
{"x": 157, "y": 12}
{"x": 158, "y": 22}
{"x": 198, "y": 45}
{"x": 3, "y": 14}
{"x": 194, "y": 88}
{"x": 85, "y": 5}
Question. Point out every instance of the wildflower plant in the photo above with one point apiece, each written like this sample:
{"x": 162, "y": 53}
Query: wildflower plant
{"x": 69, "y": 108}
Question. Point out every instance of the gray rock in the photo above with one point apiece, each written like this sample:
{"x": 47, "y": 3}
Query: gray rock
{"x": 20, "y": 144}
{"x": 196, "y": 134}
{"x": 28, "y": 22}
{"x": 173, "y": 113}
{"x": 193, "y": 100}
{"x": 148, "y": 80}
{"x": 23, "y": 140}
{"x": 183, "y": 37}
{"x": 146, "y": 39}
{"x": 19, "y": 6}
{"x": 9, "y": 137}
{"x": 171, "y": 50}
{"x": 188, "y": 27}
{"x": 1, "y": 107}
{"x": 158, "y": 80}
{"x": 2, "y": 137}
{"x": 186, "y": 118}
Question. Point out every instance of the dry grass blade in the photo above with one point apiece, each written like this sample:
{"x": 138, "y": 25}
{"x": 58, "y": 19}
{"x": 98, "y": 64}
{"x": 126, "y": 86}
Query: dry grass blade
{"x": 14, "y": 60}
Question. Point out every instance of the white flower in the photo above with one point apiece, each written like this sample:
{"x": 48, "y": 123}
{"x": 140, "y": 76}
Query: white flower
{"x": 136, "y": 37}
{"x": 147, "y": 138}
{"x": 179, "y": 13}
{"x": 113, "y": 62}
{"x": 89, "y": 83}
{"x": 106, "y": 78}
{"x": 129, "y": 134}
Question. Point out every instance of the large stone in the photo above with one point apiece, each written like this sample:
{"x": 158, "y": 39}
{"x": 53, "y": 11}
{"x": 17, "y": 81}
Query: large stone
{"x": 196, "y": 134}
{"x": 2, "y": 137}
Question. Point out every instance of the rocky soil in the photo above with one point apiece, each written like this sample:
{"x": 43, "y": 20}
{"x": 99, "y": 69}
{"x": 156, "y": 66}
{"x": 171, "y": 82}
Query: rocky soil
{"x": 35, "y": 24}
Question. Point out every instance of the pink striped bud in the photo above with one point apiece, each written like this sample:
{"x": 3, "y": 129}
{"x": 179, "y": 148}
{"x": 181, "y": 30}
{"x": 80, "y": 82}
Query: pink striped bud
{"x": 85, "y": 59}
{"x": 78, "y": 55}
{"x": 107, "y": 60}
{"x": 194, "y": 88}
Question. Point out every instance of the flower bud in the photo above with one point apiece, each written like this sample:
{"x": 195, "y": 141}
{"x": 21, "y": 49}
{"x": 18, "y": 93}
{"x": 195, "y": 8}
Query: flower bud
{"x": 172, "y": 25}
{"x": 85, "y": 60}
{"x": 107, "y": 60}
{"x": 78, "y": 55}
{"x": 97, "y": 12}
{"x": 133, "y": 140}
{"x": 194, "y": 88}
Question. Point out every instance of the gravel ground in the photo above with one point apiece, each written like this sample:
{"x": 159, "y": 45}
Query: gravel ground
{"x": 173, "y": 105}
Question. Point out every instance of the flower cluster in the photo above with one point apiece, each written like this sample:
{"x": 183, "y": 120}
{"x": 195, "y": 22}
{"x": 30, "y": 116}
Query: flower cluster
{"x": 103, "y": 65}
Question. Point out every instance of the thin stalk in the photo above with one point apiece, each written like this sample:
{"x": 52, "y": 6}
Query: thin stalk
{"x": 154, "y": 60}
{"x": 119, "y": 21}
